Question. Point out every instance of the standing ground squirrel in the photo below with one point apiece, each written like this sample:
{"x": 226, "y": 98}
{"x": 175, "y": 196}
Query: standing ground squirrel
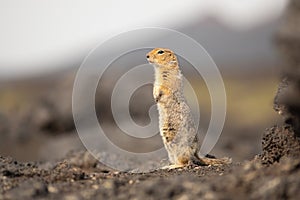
{"x": 176, "y": 124}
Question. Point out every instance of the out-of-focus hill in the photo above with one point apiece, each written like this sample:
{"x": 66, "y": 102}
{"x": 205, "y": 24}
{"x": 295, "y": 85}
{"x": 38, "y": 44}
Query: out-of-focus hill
{"x": 36, "y": 116}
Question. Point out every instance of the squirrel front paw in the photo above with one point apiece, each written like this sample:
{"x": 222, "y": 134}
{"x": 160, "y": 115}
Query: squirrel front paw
{"x": 159, "y": 92}
{"x": 158, "y": 96}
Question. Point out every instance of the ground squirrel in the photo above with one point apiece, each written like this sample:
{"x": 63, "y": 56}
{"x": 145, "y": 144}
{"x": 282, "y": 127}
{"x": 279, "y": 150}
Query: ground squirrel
{"x": 176, "y": 124}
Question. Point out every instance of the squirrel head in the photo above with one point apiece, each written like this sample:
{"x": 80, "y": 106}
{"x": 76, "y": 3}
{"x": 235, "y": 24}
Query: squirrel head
{"x": 162, "y": 57}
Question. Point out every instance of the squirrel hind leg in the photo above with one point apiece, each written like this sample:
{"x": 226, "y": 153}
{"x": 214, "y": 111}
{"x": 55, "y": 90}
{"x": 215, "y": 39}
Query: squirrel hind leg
{"x": 181, "y": 161}
{"x": 173, "y": 166}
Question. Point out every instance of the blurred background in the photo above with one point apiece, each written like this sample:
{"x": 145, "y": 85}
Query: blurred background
{"x": 43, "y": 43}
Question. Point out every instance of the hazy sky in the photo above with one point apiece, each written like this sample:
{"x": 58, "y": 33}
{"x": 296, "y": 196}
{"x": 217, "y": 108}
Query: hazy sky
{"x": 41, "y": 36}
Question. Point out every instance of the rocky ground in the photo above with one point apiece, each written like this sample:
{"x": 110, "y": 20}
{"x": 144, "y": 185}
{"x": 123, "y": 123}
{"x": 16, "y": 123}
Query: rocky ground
{"x": 80, "y": 176}
{"x": 272, "y": 174}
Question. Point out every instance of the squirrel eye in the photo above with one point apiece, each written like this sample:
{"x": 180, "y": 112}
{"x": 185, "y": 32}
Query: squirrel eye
{"x": 160, "y": 52}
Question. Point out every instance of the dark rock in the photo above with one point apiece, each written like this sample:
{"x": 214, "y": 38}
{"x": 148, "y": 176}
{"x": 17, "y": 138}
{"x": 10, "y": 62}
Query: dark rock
{"x": 287, "y": 100}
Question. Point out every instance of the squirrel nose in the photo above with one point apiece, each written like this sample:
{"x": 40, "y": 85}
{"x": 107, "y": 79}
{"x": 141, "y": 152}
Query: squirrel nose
{"x": 148, "y": 56}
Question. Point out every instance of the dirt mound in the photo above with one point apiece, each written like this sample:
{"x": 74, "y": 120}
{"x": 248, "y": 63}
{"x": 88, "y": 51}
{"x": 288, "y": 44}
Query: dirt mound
{"x": 278, "y": 142}
{"x": 287, "y": 100}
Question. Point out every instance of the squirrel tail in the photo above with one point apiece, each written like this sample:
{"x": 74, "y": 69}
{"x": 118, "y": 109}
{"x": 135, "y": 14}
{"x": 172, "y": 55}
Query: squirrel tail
{"x": 211, "y": 160}
{"x": 217, "y": 161}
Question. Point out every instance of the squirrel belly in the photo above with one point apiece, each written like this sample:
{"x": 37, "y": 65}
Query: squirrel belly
{"x": 176, "y": 123}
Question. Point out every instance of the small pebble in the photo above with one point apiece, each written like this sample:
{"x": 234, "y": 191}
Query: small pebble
{"x": 96, "y": 187}
{"x": 52, "y": 189}
{"x": 108, "y": 184}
